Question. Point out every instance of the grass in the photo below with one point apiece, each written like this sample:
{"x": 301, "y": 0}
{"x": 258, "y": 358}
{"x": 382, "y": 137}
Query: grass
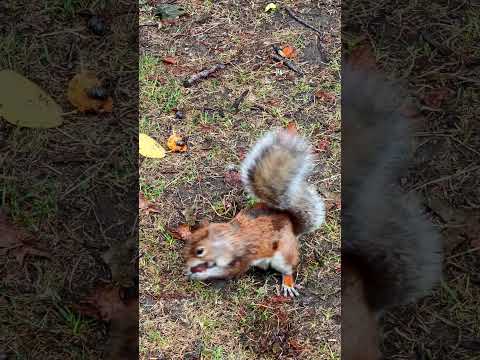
{"x": 182, "y": 319}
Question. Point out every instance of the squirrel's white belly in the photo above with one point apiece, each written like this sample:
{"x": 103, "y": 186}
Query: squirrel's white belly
{"x": 277, "y": 262}
{"x": 263, "y": 263}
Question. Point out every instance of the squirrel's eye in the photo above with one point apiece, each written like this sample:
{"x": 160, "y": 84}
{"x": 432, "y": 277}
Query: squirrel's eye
{"x": 200, "y": 251}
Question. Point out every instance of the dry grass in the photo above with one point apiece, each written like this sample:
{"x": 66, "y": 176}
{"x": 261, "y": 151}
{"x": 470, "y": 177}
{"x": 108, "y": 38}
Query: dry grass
{"x": 446, "y": 166}
{"x": 237, "y": 320}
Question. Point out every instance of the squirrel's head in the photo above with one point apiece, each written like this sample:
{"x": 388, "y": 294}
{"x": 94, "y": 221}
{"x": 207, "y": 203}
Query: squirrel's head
{"x": 208, "y": 251}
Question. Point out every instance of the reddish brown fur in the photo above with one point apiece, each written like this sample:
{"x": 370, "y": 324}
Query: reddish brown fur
{"x": 252, "y": 238}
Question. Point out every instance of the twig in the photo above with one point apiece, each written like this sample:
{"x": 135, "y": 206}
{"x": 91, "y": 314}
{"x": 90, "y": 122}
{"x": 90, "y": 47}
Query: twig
{"x": 149, "y": 24}
{"x": 287, "y": 63}
{"x": 444, "y": 178}
{"x": 237, "y": 102}
{"x": 440, "y": 47}
{"x": 295, "y": 17}
{"x": 202, "y": 75}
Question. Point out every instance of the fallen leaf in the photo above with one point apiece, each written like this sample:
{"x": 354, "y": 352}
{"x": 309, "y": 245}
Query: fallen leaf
{"x": 322, "y": 145}
{"x": 23, "y": 103}
{"x": 288, "y": 52}
{"x": 295, "y": 345}
{"x": 86, "y": 93}
{"x": 169, "y": 60}
{"x": 176, "y": 143}
{"x": 105, "y": 303}
{"x": 145, "y": 205}
{"x": 17, "y": 242}
{"x": 233, "y": 178}
{"x": 270, "y": 7}
{"x": 181, "y": 232}
{"x": 436, "y": 97}
{"x": 205, "y": 127}
{"x": 149, "y": 148}
{"x": 325, "y": 96}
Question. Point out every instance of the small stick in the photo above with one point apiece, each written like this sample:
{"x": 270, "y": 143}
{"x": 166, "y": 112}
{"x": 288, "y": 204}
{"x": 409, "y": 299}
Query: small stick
{"x": 287, "y": 63}
{"x": 237, "y": 102}
{"x": 295, "y": 17}
{"x": 202, "y": 75}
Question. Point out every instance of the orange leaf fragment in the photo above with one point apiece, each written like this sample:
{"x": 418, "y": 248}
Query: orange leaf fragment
{"x": 85, "y": 92}
{"x": 288, "y": 52}
{"x": 325, "y": 96}
{"x": 169, "y": 60}
{"x": 177, "y": 143}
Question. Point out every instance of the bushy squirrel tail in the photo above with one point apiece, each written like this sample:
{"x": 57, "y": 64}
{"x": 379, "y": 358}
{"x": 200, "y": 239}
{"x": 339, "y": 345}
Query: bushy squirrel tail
{"x": 275, "y": 171}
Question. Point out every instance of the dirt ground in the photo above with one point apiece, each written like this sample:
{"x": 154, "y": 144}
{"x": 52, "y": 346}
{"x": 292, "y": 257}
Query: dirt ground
{"x": 241, "y": 319}
{"x": 432, "y": 48}
{"x": 72, "y": 188}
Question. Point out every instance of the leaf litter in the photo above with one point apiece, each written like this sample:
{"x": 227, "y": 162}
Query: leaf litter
{"x": 16, "y": 241}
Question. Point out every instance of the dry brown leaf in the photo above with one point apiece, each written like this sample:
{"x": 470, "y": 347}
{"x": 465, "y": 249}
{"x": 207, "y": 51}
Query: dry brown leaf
{"x": 146, "y": 206}
{"x": 288, "y": 52}
{"x": 169, "y": 60}
{"x": 78, "y": 93}
{"x": 325, "y": 96}
{"x": 323, "y": 145}
{"x": 176, "y": 143}
{"x": 436, "y": 97}
{"x": 17, "y": 242}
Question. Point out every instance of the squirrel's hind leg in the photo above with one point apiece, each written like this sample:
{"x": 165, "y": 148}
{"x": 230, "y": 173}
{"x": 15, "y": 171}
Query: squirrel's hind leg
{"x": 288, "y": 286}
{"x": 284, "y": 261}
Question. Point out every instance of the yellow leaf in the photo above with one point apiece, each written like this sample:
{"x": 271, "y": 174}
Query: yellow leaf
{"x": 78, "y": 93}
{"x": 270, "y": 7}
{"x": 23, "y": 103}
{"x": 149, "y": 148}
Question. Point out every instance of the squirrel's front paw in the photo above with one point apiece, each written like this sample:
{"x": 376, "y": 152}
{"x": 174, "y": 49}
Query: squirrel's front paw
{"x": 288, "y": 286}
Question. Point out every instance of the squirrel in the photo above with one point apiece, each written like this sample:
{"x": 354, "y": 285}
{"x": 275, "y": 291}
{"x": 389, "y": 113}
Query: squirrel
{"x": 275, "y": 172}
{"x": 391, "y": 253}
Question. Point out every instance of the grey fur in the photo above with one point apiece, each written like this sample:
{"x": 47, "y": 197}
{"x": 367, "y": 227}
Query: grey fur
{"x": 383, "y": 229}
{"x": 295, "y": 196}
